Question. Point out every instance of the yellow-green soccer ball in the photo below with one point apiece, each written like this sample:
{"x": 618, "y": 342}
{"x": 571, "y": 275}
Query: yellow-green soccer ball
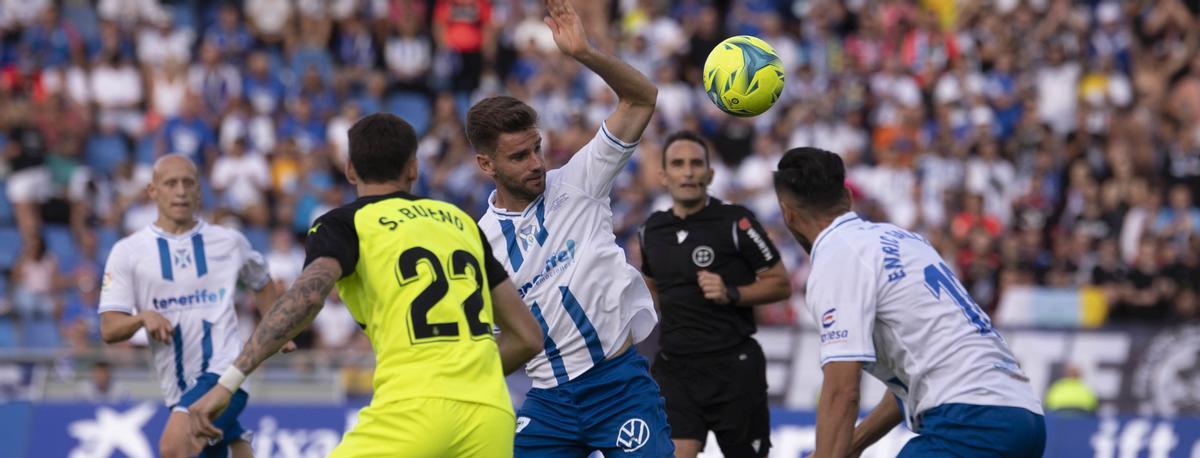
{"x": 743, "y": 76}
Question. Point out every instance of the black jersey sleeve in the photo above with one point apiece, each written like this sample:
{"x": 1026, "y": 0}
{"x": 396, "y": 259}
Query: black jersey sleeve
{"x": 642, "y": 249}
{"x": 495, "y": 272}
{"x": 753, "y": 243}
{"x": 333, "y": 235}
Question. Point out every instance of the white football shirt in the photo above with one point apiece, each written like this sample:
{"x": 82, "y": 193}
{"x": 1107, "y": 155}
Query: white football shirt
{"x": 190, "y": 279}
{"x": 562, "y": 255}
{"x": 882, "y": 295}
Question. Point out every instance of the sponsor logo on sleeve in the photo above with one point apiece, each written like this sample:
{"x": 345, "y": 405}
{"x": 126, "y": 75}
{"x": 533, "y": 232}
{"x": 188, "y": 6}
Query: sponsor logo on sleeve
{"x": 759, "y": 241}
{"x": 828, "y": 319}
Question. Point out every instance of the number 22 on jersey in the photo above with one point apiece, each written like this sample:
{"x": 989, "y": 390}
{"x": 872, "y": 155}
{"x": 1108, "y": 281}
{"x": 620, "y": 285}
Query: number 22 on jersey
{"x": 424, "y": 331}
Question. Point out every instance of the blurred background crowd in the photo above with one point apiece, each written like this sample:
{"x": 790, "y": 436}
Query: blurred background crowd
{"x": 1042, "y": 142}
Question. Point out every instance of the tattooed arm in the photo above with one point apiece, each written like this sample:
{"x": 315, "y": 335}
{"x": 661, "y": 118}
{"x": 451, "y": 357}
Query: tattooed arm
{"x": 290, "y": 314}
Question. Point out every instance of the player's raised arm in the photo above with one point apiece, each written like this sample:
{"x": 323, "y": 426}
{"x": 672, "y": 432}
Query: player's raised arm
{"x": 636, "y": 95}
{"x": 286, "y": 318}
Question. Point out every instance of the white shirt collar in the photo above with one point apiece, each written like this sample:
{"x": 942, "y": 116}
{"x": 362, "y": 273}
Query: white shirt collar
{"x": 837, "y": 222}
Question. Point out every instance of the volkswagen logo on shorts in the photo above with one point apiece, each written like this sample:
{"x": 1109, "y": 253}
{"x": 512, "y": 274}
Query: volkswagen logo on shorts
{"x": 633, "y": 434}
{"x": 703, "y": 256}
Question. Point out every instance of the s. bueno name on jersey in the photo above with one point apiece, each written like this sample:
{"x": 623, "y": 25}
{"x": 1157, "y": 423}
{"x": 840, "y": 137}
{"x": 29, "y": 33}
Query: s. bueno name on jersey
{"x": 414, "y": 211}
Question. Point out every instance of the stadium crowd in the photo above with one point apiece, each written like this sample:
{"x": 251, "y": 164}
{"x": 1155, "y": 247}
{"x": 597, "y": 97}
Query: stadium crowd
{"x": 1041, "y": 142}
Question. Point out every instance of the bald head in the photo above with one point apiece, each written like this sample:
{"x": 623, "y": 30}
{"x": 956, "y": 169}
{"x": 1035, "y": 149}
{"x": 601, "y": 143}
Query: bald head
{"x": 172, "y": 164}
{"x": 175, "y": 189}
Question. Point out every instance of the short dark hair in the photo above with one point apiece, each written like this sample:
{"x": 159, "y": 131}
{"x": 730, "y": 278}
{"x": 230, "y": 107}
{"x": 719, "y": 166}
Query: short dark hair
{"x": 685, "y": 135}
{"x": 494, "y": 116}
{"x": 381, "y": 145}
{"x": 815, "y": 178}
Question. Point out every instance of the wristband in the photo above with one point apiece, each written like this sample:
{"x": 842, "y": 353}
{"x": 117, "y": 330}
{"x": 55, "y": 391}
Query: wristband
{"x": 232, "y": 379}
{"x": 732, "y": 294}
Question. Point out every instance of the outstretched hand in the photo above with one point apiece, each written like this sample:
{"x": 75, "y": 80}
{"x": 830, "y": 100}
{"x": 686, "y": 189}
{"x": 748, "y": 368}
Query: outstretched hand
{"x": 567, "y": 28}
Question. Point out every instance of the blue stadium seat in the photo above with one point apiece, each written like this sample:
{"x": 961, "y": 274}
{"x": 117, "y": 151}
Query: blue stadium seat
{"x": 106, "y": 237}
{"x": 8, "y": 333}
{"x": 106, "y": 152}
{"x": 318, "y": 58}
{"x": 6, "y": 209}
{"x": 83, "y": 16}
{"x": 208, "y": 197}
{"x": 414, "y": 108}
{"x": 259, "y": 238}
{"x": 145, "y": 150}
{"x": 183, "y": 15}
{"x": 10, "y": 247}
{"x": 40, "y": 333}
{"x": 61, "y": 244}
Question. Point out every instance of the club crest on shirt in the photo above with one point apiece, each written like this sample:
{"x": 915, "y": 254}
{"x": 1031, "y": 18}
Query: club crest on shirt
{"x": 703, "y": 256}
{"x": 528, "y": 236}
{"x": 182, "y": 258}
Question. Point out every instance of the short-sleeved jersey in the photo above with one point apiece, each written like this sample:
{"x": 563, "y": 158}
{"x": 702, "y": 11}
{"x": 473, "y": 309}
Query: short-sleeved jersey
{"x": 882, "y": 295}
{"x": 721, "y": 238}
{"x": 417, "y": 277}
{"x": 190, "y": 279}
{"x": 562, "y": 254}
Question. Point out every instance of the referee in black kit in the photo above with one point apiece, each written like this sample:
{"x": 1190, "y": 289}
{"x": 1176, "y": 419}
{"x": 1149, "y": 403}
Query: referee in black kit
{"x": 707, "y": 263}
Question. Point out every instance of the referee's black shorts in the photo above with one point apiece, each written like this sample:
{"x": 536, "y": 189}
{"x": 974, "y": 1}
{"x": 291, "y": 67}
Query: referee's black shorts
{"x": 725, "y": 393}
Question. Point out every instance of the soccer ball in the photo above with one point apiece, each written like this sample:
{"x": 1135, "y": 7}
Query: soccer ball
{"x": 743, "y": 76}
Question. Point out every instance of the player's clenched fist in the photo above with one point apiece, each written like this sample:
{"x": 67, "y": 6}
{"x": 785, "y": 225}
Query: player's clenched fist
{"x": 156, "y": 326}
{"x": 201, "y": 414}
{"x": 713, "y": 287}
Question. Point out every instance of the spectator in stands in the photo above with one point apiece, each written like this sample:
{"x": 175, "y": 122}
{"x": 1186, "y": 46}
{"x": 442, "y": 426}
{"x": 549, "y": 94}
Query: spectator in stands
{"x": 214, "y": 80}
{"x": 1145, "y": 292}
{"x": 1071, "y": 395}
{"x": 100, "y": 387}
{"x": 161, "y": 41}
{"x": 268, "y": 20}
{"x": 334, "y": 326}
{"x": 29, "y": 184}
{"x": 241, "y": 178}
{"x": 464, "y": 29}
{"x": 116, "y": 88}
{"x": 409, "y": 55}
{"x": 36, "y": 280}
{"x": 285, "y": 258}
{"x": 189, "y": 134}
{"x": 1179, "y": 220}
{"x": 228, "y": 34}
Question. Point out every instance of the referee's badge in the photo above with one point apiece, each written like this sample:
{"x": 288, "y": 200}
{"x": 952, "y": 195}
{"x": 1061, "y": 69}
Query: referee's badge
{"x": 703, "y": 256}
{"x": 681, "y": 236}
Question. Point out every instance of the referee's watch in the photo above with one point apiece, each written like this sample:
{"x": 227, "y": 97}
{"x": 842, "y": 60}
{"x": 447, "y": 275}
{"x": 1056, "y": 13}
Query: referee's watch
{"x": 732, "y": 294}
